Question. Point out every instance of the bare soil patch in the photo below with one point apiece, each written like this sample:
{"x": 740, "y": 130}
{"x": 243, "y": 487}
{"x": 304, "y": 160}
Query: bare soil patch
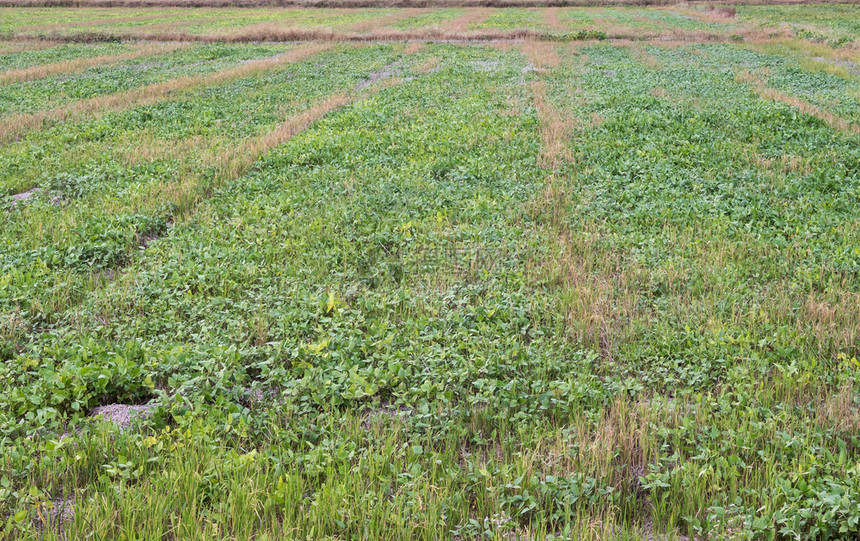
{"x": 20, "y": 198}
{"x": 122, "y": 415}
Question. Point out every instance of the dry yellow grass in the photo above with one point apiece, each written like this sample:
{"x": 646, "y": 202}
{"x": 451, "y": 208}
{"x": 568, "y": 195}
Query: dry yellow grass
{"x": 542, "y": 54}
{"x": 617, "y": 446}
{"x": 618, "y": 31}
{"x": 265, "y": 31}
{"x": 837, "y": 410}
{"x": 586, "y": 294}
{"x": 834, "y": 321}
{"x": 463, "y": 22}
{"x": 143, "y": 147}
{"x": 12, "y": 327}
{"x": 77, "y": 65}
{"x": 840, "y": 61}
{"x": 722, "y": 15}
{"x": 413, "y": 48}
{"x": 15, "y": 126}
{"x": 786, "y": 163}
{"x": 552, "y": 21}
{"x": 597, "y": 293}
{"x": 553, "y": 127}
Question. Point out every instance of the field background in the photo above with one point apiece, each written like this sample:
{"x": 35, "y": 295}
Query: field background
{"x": 836, "y": 24}
{"x": 430, "y": 273}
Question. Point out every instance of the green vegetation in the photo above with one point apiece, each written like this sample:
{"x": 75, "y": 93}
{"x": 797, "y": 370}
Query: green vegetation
{"x": 517, "y": 290}
{"x": 26, "y": 59}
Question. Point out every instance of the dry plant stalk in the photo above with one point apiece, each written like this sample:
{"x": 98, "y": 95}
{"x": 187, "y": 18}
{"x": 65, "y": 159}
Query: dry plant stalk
{"x": 837, "y": 410}
{"x": 461, "y": 24}
{"x": 413, "y": 48}
{"x": 552, "y": 20}
{"x": 542, "y": 54}
{"x": 553, "y": 127}
{"x": 720, "y": 14}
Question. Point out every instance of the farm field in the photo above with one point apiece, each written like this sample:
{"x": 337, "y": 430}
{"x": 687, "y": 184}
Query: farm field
{"x": 832, "y": 24}
{"x": 455, "y": 273}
